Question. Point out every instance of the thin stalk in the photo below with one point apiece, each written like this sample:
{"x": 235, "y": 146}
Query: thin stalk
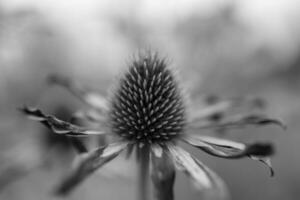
{"x": 143, "y": 176}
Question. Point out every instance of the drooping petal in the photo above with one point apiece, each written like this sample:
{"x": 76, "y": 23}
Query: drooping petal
{"x": 185, "y": 162}
{"x": 219, "y": 189}
{"x": 227, "y": 148}
{"x": 230, "y": 149}
{"x": 56, "y": 125}
{"x": 93, "y": 99}
{"x": 240, "y": 122}
{"x": 88, "y": 164}
{"x": 203, "y": 177}
{"x": 163, "y": 174}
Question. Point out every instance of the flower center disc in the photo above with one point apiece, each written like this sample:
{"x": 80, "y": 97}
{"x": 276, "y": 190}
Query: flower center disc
{"x": 147, "y": 106}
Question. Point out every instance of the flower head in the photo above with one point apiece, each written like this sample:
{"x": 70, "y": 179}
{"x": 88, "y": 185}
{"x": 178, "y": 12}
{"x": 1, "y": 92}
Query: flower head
{"x": 148, "y": 109}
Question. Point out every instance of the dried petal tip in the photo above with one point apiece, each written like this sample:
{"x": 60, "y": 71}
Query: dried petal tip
{"x": 260, "y": 149}
{"x": 147, "y": 106}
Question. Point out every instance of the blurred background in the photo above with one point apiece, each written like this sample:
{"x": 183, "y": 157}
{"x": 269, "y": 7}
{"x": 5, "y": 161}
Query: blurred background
{"x": 224, "y": 47}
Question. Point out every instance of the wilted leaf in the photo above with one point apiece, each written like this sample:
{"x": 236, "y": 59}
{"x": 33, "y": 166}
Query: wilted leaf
{"x": 230, "y": 149}
{"x": 56, "y": 125}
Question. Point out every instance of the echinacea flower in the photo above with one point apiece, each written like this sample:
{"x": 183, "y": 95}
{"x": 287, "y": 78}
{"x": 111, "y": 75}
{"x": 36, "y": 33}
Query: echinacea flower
{"x": 148, "y": 112}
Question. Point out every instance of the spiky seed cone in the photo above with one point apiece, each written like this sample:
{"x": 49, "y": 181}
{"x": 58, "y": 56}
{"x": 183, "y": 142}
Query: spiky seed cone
{"x": 147, "y": 106}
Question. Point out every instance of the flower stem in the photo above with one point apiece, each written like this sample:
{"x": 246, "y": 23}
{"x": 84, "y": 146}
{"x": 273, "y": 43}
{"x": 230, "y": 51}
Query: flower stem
{"x": 143, "y": 176}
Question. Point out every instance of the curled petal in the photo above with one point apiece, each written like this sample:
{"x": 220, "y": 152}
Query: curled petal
{"x": 88, "y": 164}
{"x": 93, "y": 99}
{"x": 203, "y": 177}
{"x": 266, "y": 161}
{"x": 56, "y": 125}
{"x": 163, "y": 174}
{"x": 230, "y": 149}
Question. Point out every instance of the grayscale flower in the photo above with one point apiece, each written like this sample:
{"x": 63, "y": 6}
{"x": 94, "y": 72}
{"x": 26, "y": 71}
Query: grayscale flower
{"x": 147, "y": 112}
